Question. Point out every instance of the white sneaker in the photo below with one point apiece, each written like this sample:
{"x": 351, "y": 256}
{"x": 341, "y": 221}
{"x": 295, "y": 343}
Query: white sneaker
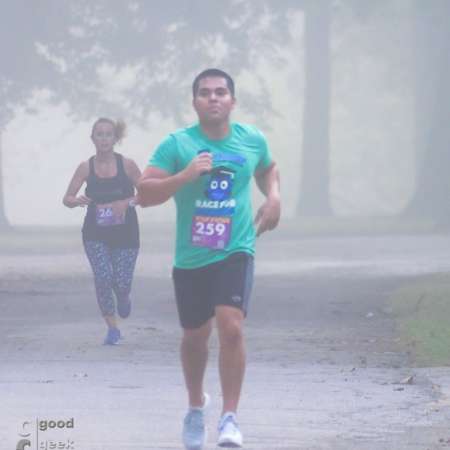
{"x": 229, "y": 434}
{"x": 194, "y": 430}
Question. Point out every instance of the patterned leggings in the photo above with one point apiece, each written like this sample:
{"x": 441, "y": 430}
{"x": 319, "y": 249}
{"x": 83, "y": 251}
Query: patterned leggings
{"x": 113, "y": 270}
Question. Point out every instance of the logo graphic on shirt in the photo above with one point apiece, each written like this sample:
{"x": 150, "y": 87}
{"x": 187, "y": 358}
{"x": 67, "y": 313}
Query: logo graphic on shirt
{"x": 220, "y": 184}
{"x": 234, "y": 158}
{"x": 211, "y": 225}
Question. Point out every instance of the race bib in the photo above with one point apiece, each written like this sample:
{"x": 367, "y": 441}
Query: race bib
{"x": 212, "y": 232}
{"x": 105, "y": 216}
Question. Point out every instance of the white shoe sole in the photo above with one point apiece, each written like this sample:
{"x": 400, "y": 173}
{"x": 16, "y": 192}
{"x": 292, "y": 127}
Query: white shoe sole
{"x": 227, "y": 443}
{"x": 202, "y": 444}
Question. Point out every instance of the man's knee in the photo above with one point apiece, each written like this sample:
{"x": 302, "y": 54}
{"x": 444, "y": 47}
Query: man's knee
{"x": 193, "y": 337}
{"x": 230, "y": 323}
{"x": 231, "y": 333}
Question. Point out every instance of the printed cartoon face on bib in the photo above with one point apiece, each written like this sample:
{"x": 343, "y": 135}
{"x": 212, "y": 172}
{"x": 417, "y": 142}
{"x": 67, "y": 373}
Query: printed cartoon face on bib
{"x": 212, "y": 221}
{"x": 106, "y": 217}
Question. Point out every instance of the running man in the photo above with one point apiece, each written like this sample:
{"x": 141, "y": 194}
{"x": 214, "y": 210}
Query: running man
{"x": 208, "y": 169}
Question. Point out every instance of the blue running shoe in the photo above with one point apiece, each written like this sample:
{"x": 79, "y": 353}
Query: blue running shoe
{"x": 229, "y": 434}
{"x": 112, "y": 337}
{"x": 124, "y": 307}
{"x": 194, "y": 430}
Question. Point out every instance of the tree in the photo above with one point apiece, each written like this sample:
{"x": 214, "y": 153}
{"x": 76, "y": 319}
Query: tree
{"x": 75, "y": 49}
{"x": 22, "y": 68}
{"x": 314, "y": 190}
{"x": 432, "y": 196}
{"x": 153, "y": 49}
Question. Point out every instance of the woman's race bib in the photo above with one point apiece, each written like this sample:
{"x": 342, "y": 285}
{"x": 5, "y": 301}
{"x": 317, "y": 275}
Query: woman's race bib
{"x": 105, "y": 216}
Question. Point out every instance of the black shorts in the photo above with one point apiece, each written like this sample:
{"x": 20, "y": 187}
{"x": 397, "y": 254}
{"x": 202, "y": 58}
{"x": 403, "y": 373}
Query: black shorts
{"x": 199, "y": 291}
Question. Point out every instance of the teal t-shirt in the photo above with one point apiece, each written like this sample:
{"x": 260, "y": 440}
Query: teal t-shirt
{"x": 214, "y": 212}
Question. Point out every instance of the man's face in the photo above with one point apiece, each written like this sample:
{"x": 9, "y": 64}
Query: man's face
{"x": 213, "y": 101}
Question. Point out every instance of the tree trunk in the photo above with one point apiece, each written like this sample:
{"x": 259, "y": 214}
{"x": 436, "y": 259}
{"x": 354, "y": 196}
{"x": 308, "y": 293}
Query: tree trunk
{"x": 432, "y": 110}
{"x": 3, "y": 220}
{"x": 315, "y": 177}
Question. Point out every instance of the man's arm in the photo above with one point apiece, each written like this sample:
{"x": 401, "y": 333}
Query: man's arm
{"x": 268, "y": 214}
{"x": 156, "y": 185}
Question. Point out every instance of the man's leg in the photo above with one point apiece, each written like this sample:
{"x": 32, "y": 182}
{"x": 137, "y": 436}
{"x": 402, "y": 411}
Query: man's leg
{"x": 195, "y": 311}
{"x": 234, "y": 284}
{"x": 231, "y": 354}
{"x": 194, "y": 357}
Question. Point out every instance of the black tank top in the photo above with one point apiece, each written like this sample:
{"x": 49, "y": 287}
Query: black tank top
{"x": 106, "y": 190}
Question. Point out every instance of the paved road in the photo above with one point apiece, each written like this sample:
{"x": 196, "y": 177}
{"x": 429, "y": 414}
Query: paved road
{"x": 324, "y": 371}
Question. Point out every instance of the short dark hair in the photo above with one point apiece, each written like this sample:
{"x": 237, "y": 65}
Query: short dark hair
{"x": 213, "y": 73}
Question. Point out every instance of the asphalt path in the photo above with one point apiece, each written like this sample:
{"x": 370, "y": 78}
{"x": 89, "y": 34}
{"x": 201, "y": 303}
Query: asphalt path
{"x": 325, "y": 366}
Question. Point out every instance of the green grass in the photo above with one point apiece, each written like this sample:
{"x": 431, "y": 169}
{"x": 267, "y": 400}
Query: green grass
{"x": 422, "y": 312}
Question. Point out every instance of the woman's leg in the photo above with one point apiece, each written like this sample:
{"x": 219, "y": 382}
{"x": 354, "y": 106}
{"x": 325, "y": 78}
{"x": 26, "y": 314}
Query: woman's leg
{"x": 99, "y": 256}
{"x": 123, "y": 264}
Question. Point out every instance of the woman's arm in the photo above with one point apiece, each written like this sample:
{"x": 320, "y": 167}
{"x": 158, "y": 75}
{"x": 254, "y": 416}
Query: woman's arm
{"x": 132, "y": 170}
{"x": 134, "y": 174}
{"x": 71, "y": 200}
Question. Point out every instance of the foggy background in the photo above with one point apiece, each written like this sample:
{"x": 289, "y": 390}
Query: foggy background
{"x": 349, "y": 313}
{"x": 352, "y": 96}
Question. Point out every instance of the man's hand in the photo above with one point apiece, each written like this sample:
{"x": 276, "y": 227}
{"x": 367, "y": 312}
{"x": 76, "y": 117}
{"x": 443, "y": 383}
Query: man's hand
{"x": 201, "y": 164}
{"x": 268, "y": 215}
